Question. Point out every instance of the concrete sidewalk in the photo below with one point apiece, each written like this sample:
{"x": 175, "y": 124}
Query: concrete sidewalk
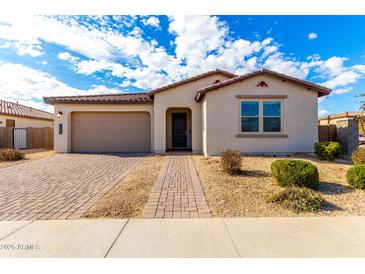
{"x": 239, "y": 237}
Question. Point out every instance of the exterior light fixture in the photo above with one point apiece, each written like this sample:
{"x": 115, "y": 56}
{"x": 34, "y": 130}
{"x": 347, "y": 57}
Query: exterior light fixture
{"x": 59, "y": 114}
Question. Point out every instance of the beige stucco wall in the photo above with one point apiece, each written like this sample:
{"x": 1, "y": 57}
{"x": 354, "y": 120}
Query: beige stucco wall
{"x": 180, "y": 97}
{"x": 222, "y": 118}
{"x": 62, "y": 143}
{"x": 332, "y": 121}
{"x": 21, "y": 122}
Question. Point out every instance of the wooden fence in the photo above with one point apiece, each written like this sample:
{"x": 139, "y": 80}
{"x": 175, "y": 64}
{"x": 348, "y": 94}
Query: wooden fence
{"x": 36, "y": 137}
{"x": 327, "y": 133}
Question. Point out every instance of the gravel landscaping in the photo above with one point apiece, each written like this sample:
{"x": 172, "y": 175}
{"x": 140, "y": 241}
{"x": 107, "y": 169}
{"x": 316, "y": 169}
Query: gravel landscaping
{"x": 247, "y": 194}
{"x": 30, "y": 155}
{"x": 128, "y": 198}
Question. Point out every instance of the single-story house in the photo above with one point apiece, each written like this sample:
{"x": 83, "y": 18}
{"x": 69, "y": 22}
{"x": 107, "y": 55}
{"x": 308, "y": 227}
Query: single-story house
{"x": 18, "y": 116}
{"x": 259, "y": 112}
{"x": 349, "y": 115}
{"x": 333, "y": 118}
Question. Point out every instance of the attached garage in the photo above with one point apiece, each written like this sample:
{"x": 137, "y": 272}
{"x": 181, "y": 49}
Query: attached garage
{"x": 110, "y": 132}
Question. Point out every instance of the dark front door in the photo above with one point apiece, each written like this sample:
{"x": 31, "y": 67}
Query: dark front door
{"x": 179, "y": 130}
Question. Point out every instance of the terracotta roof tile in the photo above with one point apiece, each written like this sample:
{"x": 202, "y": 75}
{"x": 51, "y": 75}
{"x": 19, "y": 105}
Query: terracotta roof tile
{"x": 194, "y": 78}
{"x": 123, "y": 98}
{"x": 320, "y": 89}
{"x": 14, "y": 109}
{"x": 343, "y": 115}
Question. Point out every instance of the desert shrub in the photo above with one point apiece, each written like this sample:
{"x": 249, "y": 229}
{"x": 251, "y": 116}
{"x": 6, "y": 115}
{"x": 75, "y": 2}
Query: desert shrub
{"x": 358, "y": 156}
{"x": 11, "y": 155}
{"x": 328, "y": 150}
{"x": 231, "y": 161}
{"x": 295, "y": 173}
{"x": 298, "y": 199}
{"x": 356, "y": 176}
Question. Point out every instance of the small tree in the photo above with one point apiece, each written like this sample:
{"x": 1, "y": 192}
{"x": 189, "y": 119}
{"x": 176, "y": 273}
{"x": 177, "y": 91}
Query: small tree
{"x": 361, "y": 118}
{"x": 362, "y": 102}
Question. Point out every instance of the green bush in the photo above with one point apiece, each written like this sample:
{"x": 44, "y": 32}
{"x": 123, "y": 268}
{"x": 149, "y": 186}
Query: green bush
{"x": 231, "y": 161}
{"x": 328, "y": 150}
{"x": 356, "y": 176}
{"x": 11, "y": 155}
{"x": 295, "y": 173}
{"x": 298, "y": 199}
{"x": 358, "y": 156}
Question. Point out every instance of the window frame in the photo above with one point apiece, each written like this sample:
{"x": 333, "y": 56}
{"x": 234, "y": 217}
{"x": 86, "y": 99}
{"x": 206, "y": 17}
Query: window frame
{"x": 244, "y": 116}
{"x": 270, "y": 116}
{"x": 261, "y": 116}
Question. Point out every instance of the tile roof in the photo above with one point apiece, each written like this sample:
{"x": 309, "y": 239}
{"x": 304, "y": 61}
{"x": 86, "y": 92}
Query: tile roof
{"x": 311, "y": 86}
{"x": 343, "y": 115}
{"x": 127, "y": 98}
{"x": 123, "y": 98}
{"x": 194, "y": 78}
{"x": 15, "y": 109}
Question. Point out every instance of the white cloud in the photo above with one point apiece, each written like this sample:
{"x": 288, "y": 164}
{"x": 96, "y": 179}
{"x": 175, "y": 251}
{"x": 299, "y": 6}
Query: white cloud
{"x": 312, "y": 36}
{"x": 279, "y": 63}
{"x": 31, "y": 50}
{"x": 152, "y": 21}
{"x": 101, "y": 89}
{"x": 323, "y": 112}
{"x": 360, "y": 68}
{"x": 66, "y": 56}
{"x": 341, "y": 90}
{"x": 31, "y": 30}
{"x": 23, "y": 49}
{"x": 201, "y": 43}
{"x": 343, "y": 79}
{"x": 333, "y": 66}
{"x": 29, "y": 86}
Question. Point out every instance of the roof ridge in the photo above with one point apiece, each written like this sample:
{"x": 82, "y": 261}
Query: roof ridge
{"x": 193, "y": 78}
{"x": 223, "y": 83}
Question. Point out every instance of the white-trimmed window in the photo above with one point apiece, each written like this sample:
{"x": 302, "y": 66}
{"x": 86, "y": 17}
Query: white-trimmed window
{"x": 250, "y": 116}
{"x": 261, "y": 116}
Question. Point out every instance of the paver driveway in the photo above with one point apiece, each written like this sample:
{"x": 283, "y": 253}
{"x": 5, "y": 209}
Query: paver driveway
{"x": 60, "y": 187}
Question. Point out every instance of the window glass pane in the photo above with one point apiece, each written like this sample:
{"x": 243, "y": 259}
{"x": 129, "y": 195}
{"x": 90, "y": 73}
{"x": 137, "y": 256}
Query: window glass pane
{"x": 249, "y": 108}
{"x": 249, "y": 124}
{"x": 271, "y": 108}
{"x": 272, "y": 124}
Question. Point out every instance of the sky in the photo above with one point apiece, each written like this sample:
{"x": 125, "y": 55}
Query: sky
{"x": 79, "y": 55}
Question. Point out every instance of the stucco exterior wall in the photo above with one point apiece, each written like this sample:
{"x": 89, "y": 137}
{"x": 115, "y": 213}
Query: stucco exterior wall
{"x": 62, "y": 143}
{"x": 222, "y": 118}
{"x": 21, "y": 122}
{"x": 181, "y": 97}
{"x": 332, "y": 121}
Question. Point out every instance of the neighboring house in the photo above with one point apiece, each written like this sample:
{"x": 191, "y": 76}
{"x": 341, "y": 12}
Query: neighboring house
{"x": 19, "y": 116}
{"x": 333, "y": 118}
{"x": 351, "y": 115}
{"x": 260, "y": 112}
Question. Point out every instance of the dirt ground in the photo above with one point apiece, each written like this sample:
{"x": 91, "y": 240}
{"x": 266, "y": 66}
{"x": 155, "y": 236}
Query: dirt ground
{"x": 128, "y": 198}
{"x": 246, "y": 195}
{"x": 30, "y": 155}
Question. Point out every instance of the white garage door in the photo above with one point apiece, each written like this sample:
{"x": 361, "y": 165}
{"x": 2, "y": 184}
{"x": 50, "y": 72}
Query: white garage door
{"x": 110, "y": 132}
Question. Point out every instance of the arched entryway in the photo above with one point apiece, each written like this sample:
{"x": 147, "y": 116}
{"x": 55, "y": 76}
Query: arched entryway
{"x": 178, "y": 129}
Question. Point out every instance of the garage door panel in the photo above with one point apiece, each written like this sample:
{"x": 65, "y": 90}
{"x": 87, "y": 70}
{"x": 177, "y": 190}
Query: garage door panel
{"x": 111, "y": 132}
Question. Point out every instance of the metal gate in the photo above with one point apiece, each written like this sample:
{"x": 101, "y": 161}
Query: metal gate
{"x": 20, "y": 138}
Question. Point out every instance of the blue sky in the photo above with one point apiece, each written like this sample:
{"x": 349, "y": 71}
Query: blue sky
{"x": 72, "y": 55}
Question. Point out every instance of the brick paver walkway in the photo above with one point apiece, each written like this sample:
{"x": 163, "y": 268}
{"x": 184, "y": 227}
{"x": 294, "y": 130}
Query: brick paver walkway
{"x": 177, "y": 192}
{"x": 59, "y": 187}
